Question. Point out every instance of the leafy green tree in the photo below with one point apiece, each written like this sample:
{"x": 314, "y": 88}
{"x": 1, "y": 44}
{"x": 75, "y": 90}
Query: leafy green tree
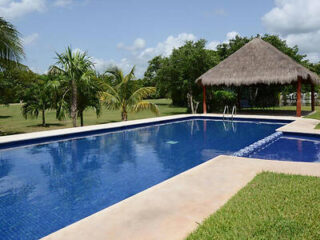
{"x": 38, "y": 98}
{"x": 125, "y": 95}
{"x": 11, "y": 52}
{"x": 176, "y": 74}
{"x": 151, "y": 76}
{"x": 76, "y": 69}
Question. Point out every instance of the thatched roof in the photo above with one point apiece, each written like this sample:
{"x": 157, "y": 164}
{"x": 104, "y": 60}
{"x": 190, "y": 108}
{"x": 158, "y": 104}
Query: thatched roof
{"x": 257, "y": 62}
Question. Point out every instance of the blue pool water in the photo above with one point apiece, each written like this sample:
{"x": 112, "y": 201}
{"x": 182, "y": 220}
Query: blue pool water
{"x": 290, "y": 147}
{"x": 46, "y": 187}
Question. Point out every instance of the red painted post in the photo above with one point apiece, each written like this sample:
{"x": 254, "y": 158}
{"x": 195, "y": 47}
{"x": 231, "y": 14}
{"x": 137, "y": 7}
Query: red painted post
{"x": 299, "y": 97}
{"x": 204, "y": 100}
{"x": 312, "y": 97}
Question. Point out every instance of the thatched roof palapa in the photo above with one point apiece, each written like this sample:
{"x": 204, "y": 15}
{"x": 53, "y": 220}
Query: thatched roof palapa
{"x": 254, "y": 63}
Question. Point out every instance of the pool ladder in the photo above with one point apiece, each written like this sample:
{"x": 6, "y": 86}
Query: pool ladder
{"x": 226, "y": 111}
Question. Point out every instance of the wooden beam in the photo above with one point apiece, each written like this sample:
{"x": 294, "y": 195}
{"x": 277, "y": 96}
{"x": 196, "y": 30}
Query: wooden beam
{"x": 312, "y": 97}
{"x": 204, "y": 100}
{"x": 299, "y": 96}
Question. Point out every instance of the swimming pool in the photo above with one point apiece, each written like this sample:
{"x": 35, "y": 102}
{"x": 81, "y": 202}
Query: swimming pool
{"x": 45, "y": 187}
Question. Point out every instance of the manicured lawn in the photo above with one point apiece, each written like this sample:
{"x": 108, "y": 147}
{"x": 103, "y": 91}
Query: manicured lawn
{"x": 315, "y": 115}
{"x": 271, "y": 206}
{"x": 12, "y": 121}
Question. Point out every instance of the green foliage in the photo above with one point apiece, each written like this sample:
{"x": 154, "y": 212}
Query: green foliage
{"x": 175, "y": 75}
{"x": 151, "y": 77}
{"x": 224, "y": 50}
{"x": 272, "y": 206}
{"x": 125, "y": 95}
{"x": 14, "y": 80}
{"x": 10, "y": 43}
{"x": 78, "y": 84}
{"x": 38, "y": 98}
{"x": 222, "y": 98}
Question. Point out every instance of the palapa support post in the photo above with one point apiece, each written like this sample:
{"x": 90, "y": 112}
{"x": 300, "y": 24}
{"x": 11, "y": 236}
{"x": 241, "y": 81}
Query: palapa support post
{"x": 204, "y": 100}
{"x": 299, "y": 96}
{"x": 312, "y": 97}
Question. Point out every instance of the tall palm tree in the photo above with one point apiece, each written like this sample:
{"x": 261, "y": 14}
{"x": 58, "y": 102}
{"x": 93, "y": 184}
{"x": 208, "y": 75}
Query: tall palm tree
{"x": 77, "y": 68}
{"x": 126, "y": 96}
{"x": 11, "y": 49}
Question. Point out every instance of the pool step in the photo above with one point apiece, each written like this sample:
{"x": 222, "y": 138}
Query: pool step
{"x": 245, "y": 152}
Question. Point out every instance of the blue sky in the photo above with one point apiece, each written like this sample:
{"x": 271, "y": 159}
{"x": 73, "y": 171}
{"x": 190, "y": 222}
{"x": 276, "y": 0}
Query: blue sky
{"x": 129, "y": 32}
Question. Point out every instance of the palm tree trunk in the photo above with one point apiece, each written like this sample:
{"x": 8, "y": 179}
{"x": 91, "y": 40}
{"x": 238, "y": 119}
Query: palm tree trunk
{"x": 74, "y": 103}
{"x": 43, "y": 118}
{"x": 124, "y": 115}
{"x": 81, "y": 119}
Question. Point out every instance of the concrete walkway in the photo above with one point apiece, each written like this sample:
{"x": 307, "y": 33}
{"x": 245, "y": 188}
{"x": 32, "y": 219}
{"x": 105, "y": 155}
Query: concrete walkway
{"x": 172, "y": 209}
{"x": 302, "y": 125}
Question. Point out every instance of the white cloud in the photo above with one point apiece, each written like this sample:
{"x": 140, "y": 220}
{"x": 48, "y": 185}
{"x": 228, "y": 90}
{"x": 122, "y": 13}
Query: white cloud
{"x": 30, "y": 39}
{"x": 138, "y": 44}
{"x": 165, "y": 48}
{"x": 140, "y": 55}
{"x": 213, "y": 45}
{"x": 14, "y": 9}
{"x": 297, "y": 22}
{"x": 63, "y": 3}
{"x": 293, "y": 16}
{"x": 230, "y": 35}
{"x": 220, "y": 12}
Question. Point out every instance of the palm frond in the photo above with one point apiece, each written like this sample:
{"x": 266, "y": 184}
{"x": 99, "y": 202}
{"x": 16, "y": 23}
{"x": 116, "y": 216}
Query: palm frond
{"x": 10, "y": 42}
{"x": 111, "y": 101}
{"x": 145, "y": 105}
{"x": 30, "y": 109}
{"x": 109, "y": 89}
{"x": 130, "y": 75}
{"x": 141, "y": 93}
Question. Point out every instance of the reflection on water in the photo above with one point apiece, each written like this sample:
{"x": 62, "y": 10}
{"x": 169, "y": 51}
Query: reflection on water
{"x": 46, "y": 187}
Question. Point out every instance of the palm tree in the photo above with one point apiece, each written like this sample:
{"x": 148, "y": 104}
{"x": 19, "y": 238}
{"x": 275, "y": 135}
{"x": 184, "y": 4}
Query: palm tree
{"x": 10, "y": 43}
{"x": 88, "y": 96}
{"x": 77, "y": 69}
{"x": 126, "y": 96}
{"x": 38, "y": 98}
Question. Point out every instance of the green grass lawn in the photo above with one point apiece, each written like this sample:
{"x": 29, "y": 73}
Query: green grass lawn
{"x": 271, "y": 206}
{"x": 12, "y": 121}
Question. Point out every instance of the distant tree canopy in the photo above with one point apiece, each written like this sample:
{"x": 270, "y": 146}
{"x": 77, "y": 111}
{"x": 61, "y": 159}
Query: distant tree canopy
{"x": 174, "y": 76}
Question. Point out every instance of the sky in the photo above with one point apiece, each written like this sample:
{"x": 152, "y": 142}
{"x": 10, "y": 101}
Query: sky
{"x": 131, "y": 32}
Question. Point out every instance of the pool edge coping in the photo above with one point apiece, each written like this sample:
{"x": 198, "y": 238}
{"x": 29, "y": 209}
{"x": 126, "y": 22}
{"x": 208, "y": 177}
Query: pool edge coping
{"x": 77, "y": 130}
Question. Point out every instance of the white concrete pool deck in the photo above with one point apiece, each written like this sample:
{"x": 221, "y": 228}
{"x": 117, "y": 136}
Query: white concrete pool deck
{"x": 173, "y": 208}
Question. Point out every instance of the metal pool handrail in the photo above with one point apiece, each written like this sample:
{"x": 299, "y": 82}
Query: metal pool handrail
{"x": 226, "y": 110}
{"x": 234, "y": 111}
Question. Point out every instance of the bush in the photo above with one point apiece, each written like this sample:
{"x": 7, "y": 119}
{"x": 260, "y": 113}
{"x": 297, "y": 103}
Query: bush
{"x": 222, "y": 98}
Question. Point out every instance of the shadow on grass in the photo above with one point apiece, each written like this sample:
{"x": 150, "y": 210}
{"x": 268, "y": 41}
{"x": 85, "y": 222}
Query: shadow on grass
{"x": 4, "y": 117}
{"x": 9, "y": 133}
{"x": 48, "y": 125}
{"x": 111, "y": 121}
